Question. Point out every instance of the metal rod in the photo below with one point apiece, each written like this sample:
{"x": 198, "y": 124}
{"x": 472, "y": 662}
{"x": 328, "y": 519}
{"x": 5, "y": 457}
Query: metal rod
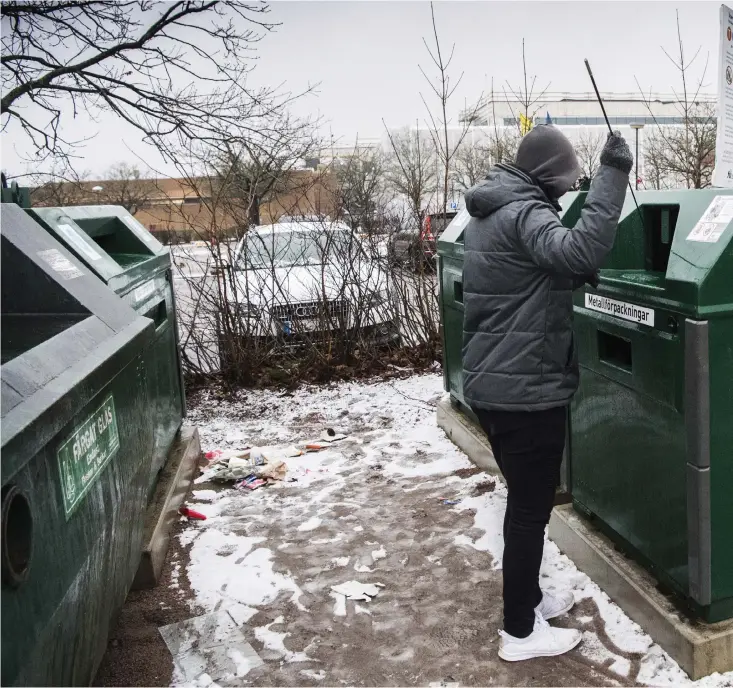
{"x": 608, "y": 124}
{"x": 636, "y": 160}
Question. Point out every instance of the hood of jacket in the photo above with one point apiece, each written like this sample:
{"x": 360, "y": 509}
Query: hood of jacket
{"x": 504, "y": 184}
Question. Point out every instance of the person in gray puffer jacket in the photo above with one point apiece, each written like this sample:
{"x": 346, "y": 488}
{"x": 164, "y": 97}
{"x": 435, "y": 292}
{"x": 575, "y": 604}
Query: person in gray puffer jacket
{"x": 520, "y": 366}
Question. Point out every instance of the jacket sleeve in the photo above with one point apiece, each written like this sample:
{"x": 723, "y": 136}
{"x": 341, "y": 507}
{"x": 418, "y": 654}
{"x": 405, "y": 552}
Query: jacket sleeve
{"x": 581, "y": 250}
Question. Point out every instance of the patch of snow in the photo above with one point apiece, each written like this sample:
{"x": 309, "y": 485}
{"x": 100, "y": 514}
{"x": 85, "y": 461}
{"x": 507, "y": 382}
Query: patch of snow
{"x": 339, "y": 607}
{"x": 311, "y": 524}
{"x": 205, "y": 495}
{"x": 241, "y": 613}
{"x": 274, "y": 641}
{"x": 315, "y": 675}
{"x": 489, "y": 518}
{"x": 380, "y": 553}
{"x": 245, "y": 575}
{"x": 341, "y": 561}
{"x": 328, "y": 541}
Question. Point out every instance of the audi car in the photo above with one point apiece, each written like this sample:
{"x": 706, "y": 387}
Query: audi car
{"x": 299, "y": 280}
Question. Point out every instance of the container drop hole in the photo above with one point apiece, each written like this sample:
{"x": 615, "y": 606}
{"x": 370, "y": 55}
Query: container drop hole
{"x": 615, "y": 351}
{"x": 659, "y": 223}
{"x": 458, "y": 292}
{"x": 17, "y": 532}
{"x": 158, "y": 314}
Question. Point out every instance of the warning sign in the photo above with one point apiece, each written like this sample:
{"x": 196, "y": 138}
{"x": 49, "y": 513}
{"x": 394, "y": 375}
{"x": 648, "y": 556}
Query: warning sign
{"x": 714, "y": 222}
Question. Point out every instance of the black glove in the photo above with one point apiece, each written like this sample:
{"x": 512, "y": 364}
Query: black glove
{"x": 593, "y": 280}
{"x": 616, "y": 153}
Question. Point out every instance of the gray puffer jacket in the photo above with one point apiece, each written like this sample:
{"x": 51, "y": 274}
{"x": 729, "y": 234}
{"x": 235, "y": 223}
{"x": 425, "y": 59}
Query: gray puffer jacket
{"x": 520, "y": 267}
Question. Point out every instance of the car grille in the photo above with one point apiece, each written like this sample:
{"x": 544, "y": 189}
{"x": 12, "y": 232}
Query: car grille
{"x": 311, "y": 309}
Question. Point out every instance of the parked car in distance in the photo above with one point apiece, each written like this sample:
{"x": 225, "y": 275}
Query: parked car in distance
{"x": 419, "y": 249}
{"x": 433, "y": 226}
{"x": 298, "y": 280}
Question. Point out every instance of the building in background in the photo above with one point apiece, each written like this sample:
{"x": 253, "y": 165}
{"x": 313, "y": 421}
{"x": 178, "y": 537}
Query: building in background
{"x": 177, "y": 209}
{"x": 580, "y": 117}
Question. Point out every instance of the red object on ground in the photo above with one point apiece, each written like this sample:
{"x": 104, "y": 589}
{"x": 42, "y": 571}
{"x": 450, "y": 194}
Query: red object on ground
{"x": 190, "y": 513}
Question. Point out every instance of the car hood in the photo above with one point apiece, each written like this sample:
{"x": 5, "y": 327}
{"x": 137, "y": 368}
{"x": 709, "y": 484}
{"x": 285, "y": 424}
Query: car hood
{"x": 307, "y": 283}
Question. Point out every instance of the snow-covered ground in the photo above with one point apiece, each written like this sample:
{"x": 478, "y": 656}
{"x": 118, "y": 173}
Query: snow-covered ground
{"x": 372, "y": 508}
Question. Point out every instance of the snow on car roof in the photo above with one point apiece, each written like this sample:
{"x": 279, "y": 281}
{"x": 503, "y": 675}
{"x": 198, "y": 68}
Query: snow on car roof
{"x": 299, "y": 227}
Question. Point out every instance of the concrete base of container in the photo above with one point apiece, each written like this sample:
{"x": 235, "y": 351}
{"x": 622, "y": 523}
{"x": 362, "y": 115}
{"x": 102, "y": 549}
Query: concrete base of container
{"x": 699, "y": 648}
{"x": 466, "y": 435}
{"x": 173, "y": 486}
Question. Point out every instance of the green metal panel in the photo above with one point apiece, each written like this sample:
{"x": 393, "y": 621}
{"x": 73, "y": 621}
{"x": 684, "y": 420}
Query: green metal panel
{"x": 650, "y": 425}
{"x": 77, "y": 437}
{"x": 113, "y": 244}
{"x": 450, "y": 274}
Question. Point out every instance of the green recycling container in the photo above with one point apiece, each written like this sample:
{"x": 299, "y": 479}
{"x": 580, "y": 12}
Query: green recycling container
{"x": 76, "y": 444}
{"x": 128, "y": 258}
{"x": 652, "y": 423}
{"x": 450, "y": 275}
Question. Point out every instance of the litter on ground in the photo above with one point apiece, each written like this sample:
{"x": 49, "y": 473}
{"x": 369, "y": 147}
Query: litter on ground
{"x": 281, "y": 565}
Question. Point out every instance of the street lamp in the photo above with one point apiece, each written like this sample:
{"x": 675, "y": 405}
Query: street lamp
{"x": 636, "y": 127}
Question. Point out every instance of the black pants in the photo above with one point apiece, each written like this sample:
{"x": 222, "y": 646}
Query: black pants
{"x": 528, "y": 447}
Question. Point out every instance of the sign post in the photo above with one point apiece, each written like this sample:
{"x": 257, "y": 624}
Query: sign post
{"x": 723, "y": 175}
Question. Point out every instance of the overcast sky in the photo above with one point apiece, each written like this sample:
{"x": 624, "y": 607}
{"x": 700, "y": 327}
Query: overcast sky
{"x": 365, "y": 56}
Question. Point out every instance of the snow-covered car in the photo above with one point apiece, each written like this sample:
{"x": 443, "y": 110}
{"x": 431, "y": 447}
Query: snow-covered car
{"x": 296, "y": 281}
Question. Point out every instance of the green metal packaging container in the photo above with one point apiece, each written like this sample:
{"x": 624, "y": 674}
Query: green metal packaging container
{"x": 77, "y": 438}
{"x": 652, "y": 423}
{"x": 450, "y": 274}
{"x": 132, "y": 262}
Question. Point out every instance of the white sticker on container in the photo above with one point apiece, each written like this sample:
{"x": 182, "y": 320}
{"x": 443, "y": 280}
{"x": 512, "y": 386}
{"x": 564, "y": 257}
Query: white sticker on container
{"x": 620, "y": 309}
{"x": 144, "y": 291}
{"x": 60, "y": 264}
{"x": 140, "y": 230}
{"x": 72, "y": 236}
{"x": 714, "y": 222}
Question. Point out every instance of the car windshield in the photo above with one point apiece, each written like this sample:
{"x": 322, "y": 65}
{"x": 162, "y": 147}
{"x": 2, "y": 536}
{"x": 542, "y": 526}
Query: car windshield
{"x": 289, "y": 249}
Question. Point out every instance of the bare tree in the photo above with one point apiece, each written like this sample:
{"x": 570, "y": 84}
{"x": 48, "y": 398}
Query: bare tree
{"x": 683, "y": 155}
{"x": 125, "y": 185}
{"x": 361, "y": 189}
{"x": 169, "y": 69}
{"x": 473, "y": 160}
{"x": 61, "y": 186}
{"x": 471, "y": 163}
{"x": 443, "y": 89}
{"x": 588, "y": 148}
{"x": 412, "y": 170}
{"x": 252, "y": 171}
{"x": 526, "y": 98}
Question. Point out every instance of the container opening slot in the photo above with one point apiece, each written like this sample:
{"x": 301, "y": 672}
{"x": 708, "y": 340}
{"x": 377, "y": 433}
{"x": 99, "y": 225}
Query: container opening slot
{"x": 615, "y": 351}
{"x": 158, "y": 313}
{"x": 115, "y": 238}
{"x": 660, "y": 222}
{"x": 458, "y": 292}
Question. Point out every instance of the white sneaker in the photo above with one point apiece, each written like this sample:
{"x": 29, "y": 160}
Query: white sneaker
{"x": 555, "y": 605}
{"x": 544, "y": 641}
